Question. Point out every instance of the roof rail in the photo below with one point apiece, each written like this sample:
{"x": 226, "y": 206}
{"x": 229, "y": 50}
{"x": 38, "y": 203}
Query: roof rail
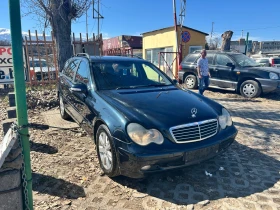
{"x": 127, "y": 55}
{"x": 82, "y": 55}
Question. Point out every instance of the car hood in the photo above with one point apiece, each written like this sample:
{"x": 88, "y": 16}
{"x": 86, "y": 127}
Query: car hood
{"x": 160, "y": 107}
{"x": 268, "y": 69}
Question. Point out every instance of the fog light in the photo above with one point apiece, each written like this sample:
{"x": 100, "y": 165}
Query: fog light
{"x": 145, "y": 168}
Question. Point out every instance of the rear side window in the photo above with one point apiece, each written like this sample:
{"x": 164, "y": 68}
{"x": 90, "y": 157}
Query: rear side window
{"x": 210, "y": 58}
{"x": 276, "y": 60}
{"x": 70, "y": 69}
{"x": 82, "y": 73}
{"x": 191, "y": 58}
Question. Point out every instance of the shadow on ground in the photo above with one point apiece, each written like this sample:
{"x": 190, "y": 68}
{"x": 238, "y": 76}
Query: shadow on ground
{"x": 239, "y": 172}
{"x": 42, "y": 148}
{"x": 56, "y": 187}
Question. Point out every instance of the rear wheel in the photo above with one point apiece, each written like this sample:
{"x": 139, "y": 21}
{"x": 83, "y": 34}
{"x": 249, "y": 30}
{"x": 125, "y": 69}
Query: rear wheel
{"x": 63, "y": 113}
{"x": 191, "y": 82}
{"x": 250, "y": 89}
{"x": 106, "y": 152}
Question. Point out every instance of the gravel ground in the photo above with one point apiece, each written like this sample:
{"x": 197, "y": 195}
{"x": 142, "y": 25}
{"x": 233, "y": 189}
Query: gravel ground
{"x": 66, "y": 174}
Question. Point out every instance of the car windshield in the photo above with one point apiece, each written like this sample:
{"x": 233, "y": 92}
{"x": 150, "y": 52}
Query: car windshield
{"x": 127, "y": 75}
{"x": 244, "y": 60}
{"x": 37, "y": 63}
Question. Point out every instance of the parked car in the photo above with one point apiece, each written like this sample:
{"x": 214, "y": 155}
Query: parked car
{"x": 140, "y": 120}
{"x": 275, "y": 62}
{"x": 263, "y": 61}
{"x": 231, "y": 70}
{"x": 40, "y": 68}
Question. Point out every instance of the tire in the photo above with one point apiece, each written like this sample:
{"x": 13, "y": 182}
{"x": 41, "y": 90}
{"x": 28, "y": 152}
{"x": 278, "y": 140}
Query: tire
{"x": 191, "y": 82}
{"x": 106, "y": 152}
{"x": 62, "y": 111}
{"x": 250, "y": 89}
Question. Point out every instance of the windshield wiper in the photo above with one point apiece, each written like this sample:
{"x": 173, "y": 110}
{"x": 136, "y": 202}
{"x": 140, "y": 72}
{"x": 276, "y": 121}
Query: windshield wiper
{"x": 140, "y": 86}
{"x": 154, "y": 85}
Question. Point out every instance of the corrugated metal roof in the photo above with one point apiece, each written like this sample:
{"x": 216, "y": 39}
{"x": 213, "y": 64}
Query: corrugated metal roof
{"x": 173, "y": 27}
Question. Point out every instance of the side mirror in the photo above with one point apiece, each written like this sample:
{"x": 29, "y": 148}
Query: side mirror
{"x": 175, "y": 82}
{"x": 80, "y": 88}
{"x": 229, "y": 64}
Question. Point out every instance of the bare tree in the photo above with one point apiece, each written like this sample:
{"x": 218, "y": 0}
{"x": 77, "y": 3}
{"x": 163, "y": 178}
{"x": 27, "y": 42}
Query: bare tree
{"x": 216, "y": 43}
{"x": 58, "y": 14}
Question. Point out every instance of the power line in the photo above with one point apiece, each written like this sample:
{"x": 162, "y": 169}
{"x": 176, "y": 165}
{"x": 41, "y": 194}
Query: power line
{"x": 253, "y": 29}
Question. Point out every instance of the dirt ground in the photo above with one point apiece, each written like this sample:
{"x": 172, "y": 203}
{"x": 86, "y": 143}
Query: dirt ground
{"x": 66, "y": 173}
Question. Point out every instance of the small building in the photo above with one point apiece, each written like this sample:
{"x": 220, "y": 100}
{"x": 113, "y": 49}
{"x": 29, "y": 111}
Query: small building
{"x": 123, "y": 44}
{"x": 160, "y": 46}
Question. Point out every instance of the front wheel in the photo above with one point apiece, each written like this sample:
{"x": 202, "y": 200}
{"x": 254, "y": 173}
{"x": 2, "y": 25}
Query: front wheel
{"x": 191, "y": 82}
{"x": 250, "y": 89}
{"x": 106, "y": 152}
{"x": 63, "y": 113}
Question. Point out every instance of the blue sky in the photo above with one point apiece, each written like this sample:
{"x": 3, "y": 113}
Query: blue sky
{"x": 133, "y": 17}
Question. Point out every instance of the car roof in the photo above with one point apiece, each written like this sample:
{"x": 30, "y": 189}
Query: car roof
{"x": 218, "y": 51}
{"x": 113, "y": 58}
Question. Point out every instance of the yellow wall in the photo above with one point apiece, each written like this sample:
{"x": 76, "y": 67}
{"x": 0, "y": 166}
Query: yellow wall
{"x": 166, "y": 38}
{"x": 197, "y": 39}
{"x": 158, "y": 39}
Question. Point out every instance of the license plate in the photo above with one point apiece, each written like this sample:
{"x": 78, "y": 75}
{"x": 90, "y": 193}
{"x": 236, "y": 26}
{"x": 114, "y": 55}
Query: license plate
{"x": 201, "y": 154}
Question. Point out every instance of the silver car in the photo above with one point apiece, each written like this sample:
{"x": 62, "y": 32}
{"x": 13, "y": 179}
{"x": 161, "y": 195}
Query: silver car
{"x": 263, "y": 61}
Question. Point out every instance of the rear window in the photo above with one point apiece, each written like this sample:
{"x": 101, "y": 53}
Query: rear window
{"x": 276, "y": 60}
{"x": 191, "y": 58}
{"x": 262, "y": 61}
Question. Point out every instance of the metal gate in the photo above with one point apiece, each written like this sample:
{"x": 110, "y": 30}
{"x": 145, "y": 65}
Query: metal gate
{"x": 41, "y": 62}
{"x": 168, "y": 61}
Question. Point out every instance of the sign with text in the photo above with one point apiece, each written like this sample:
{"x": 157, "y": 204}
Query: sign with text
{"x": 6, "y": 65}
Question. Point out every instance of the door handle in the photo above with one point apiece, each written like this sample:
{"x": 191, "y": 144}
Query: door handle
{"x": 75, "y": 89}
{"x": 215, "y": 69}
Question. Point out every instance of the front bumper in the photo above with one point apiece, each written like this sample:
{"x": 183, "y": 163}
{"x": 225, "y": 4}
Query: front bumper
{"x": 139, "y": 165}
{"x": 269, "y": 85}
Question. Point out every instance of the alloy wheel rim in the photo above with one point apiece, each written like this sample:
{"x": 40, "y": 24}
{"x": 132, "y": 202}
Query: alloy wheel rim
{"x": 249, "y": 89}
{"x": 105, "y": 151}
{"x": 190, "y": 82}
{"x": 61, "y": 105}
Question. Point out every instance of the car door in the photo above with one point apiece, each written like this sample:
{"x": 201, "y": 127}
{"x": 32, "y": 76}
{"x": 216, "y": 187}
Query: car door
{"x": 223, "y": 71}
{"x": 83, "y": 102}
{"x": 66, "y": 81}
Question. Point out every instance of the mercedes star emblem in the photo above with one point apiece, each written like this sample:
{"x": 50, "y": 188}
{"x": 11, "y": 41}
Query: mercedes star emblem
{"x": 194, "y": 111}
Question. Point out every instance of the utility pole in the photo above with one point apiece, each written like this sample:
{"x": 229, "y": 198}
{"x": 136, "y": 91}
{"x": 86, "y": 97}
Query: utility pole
{"x": 99, "y": 16}
{"x": 86, "y": 22}
{"x": 20, "y": 96}
{"x": 246, "y": 47}
{"x": 211, "y": 34}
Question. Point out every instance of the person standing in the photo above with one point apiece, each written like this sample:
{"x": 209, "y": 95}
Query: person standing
{"x": 203, "y": 72}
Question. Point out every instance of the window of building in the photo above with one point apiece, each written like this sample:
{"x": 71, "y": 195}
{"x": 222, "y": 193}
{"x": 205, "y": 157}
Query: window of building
{"x": 152, "y": 55}
{"x": 194, "y": 48}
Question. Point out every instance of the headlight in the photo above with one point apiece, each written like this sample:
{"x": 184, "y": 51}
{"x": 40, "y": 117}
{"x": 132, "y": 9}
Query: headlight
{"x": 273, "y": 75}
{"x": 225, "y": 119}
{"x": 142, "y": 136}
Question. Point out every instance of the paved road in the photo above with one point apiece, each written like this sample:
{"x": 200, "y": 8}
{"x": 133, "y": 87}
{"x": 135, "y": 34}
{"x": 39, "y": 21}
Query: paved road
{"x": 66, "y": 174}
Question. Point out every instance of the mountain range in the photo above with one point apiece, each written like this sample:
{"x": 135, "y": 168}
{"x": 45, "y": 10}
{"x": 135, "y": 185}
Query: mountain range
{"x": 5, "y": 34}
